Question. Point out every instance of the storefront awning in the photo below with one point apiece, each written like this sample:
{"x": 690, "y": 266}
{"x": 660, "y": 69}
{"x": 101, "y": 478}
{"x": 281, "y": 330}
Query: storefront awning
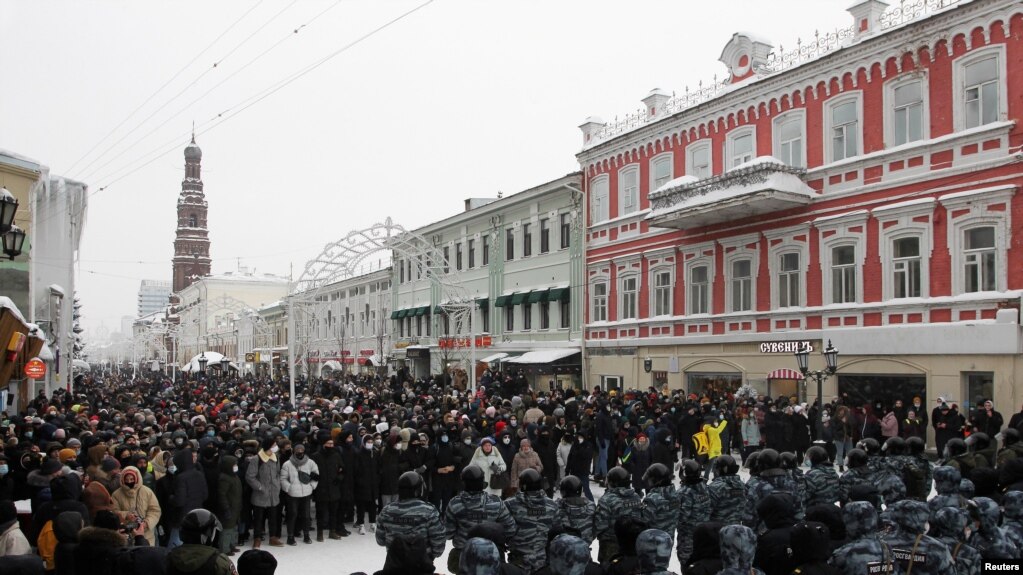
{"x": 400, "y": 313}
{"x": 502, "y": 301}
{"x": 558, "y": 294}
{"x": 422, "y": 310}
{"x": 332, "y": 364}
{"x": 395, "y": 314}
{"x": 784, "y": 374}
{"x": 544, "y": 356}
{"x": 482, "y": 302}
{"x": 537, "y": 296}
{"x": 518, "y": 298}
{"x": 494, "y": 357}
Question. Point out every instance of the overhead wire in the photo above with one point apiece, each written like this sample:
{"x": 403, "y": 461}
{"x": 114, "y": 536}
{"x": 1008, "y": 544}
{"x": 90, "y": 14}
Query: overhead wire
{"x": 164, "y": 85}
{"x": 194, "y": 81}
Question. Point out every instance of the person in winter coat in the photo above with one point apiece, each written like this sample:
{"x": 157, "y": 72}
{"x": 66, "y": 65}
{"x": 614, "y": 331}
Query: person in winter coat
{"x": 738, "y": 547}
{"x": 914, "y": 426}
{"x": 706, "y": 557}
{"x": 389, "y": 465}
{"x": 327, "y": 494}
{"x": 367, "y": 485}
{"x": 65, "y": 492}
{"x": 547, "y": 450}
{"x": 778, "y": 512}
{"x": 580, "y": 458}
{"x": 299, "y": 476}
{"x": 263, "y": 475}
{"x": 189, "y": 491}
{"x": 889, "y": 424}
{"x": 135, "y": 500}
{"x": 663, "y": 448}
{"x": 637, "y": 459}
{"x": 66, "y": 527}
{"x": 563, "y": 449}
{"x": 96, "y": 497}
{"x": 507, "y": 447}
{"x": 443, "y": 463}
{"x": 12, "y": 540}
{"x": 800, "y": 432}
{"x": 751, "y": 439}
{"x": 229, "y": 498}
{"x": 947, "y": 424}
{"x": 490, "y": 461}
{"x": 525, "y": 458}
{"x": 349, "y": 450}
{"x": 987, "y": 420}
{"x": 811, "y": 550}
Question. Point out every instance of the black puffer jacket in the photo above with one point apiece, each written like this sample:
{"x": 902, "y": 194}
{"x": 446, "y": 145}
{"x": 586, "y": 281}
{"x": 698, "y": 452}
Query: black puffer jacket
{"x": 66, "y": 527}
{"x": 328, "y": 461}
{"x": 778, "y": 511}
{"x": 190, "y": 491}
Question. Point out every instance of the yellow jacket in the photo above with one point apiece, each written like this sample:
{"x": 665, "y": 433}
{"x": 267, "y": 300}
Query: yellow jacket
{"x": 714, "y": 437}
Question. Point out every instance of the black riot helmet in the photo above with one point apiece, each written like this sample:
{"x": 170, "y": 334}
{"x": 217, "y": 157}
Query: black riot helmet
{"x": 817, "y": 455}
{"x": 530, "y": 480}
{"x": 725, "y": 465}
{"x": 856, "y": 458}
{"x": 894, "y": 446}
{"x": 870, "y": 446}
{"x": 571, "y": 486}
{"x": 657, "y": 475}
{"x": 618, "y": 477}
{"x": 473, "y": 478}
{"x": 954, "y": 447}
{"x": 691, "y": 472}
{"x": 1010, "y": 436}
{"x": 753, "y": 463}
{"x": 410, "y": 486}
{"x": 768, "y": 459}
{"x": 788, "y": 460}
{"x": 915, "y": 445}
{"x": 200, "y": 527}
{"x": 978, "y": 442}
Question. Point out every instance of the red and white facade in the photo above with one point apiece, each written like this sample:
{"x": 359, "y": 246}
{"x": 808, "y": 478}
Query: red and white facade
{"x": 865, "y": 190}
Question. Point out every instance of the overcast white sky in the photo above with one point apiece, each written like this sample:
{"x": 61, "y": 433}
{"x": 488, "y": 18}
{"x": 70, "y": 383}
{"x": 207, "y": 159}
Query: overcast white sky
{"x": 463, "y": 98}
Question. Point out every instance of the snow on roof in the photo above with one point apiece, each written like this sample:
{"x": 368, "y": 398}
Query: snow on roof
{"x": 248, "y": 277}
{"x": 677, "y": 182}
{"x": 733, "y": 184}
{"x": 757, "y": 161}
{"x": 977, "y": 192}
{"x": 824, "y": 219}
{"x": 8, "y": 304}
{"x": 57, "y": 289}
{"x": 544, "y": 356}
{"x": 14, "y": 159}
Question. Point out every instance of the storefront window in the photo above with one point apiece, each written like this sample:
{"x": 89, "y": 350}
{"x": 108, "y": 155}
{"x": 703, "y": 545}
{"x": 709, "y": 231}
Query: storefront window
{"x": 882, "y": 390}
{"x": 980, "y": 387}
{"x": 713, "y": 384}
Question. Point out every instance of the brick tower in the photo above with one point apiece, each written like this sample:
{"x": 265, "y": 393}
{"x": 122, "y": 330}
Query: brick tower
{"x": 191, "y": 240}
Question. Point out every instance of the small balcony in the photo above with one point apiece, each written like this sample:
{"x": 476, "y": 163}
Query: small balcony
{"x": 757, "y": 187}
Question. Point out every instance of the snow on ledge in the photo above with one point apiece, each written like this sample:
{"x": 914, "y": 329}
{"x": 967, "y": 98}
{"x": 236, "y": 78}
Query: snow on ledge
{"x": 977, "y": 192}
{"x": 679, "y": 181}
{"x": 903, "y": 205}
{"x": 8, "y": 304}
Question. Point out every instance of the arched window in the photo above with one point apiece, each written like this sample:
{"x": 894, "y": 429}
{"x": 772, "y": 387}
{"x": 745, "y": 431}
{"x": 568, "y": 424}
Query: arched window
{"x": 193, "y": 221}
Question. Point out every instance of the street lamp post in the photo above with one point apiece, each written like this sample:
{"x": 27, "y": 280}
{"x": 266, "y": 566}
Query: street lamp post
{"x": 224, "y": 365}
{"x": 202, "y": 363}
{"x": 831, "y": 362}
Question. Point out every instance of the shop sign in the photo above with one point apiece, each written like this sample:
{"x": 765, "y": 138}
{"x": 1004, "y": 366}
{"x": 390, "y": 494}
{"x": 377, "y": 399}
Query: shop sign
{"x": 35, "y": 368}
{"x": 366, "y": 352}
{"x": 463, "y": 342}
{"x": 592, "y": 351}
{"x": 785, "y": 346}
{"x": 250, "y": 357}
{"x": 417, "y": 353}
{"x": 405, "y": 342}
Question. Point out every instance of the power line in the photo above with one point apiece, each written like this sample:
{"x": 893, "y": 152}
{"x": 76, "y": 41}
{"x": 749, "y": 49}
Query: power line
{"x": 180, "y": 92}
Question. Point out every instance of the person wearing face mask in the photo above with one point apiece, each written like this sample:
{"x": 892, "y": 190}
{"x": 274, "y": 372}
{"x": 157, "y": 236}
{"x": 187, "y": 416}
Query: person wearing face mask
{"x": 443, "y": 462}
{"x": 6, "y": 479}
{"x": 190, "y": 491}
{"x": 579, "y": 460}
{"x": 507, "y": 448}
{"x": 389, "y": 465}
{"x": 464, "y": 449}
{"x": 299, "y": 477}
{"x": 524, "y": 459}
{"x": 263, "y": 475}
{"x": 490, "y": 461}
{"x": 367, "y": 485}
{"x": 136, "y": 502}
{"x": 229, "y": 499}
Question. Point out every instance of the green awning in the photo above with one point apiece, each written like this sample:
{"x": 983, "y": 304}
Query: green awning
{"x": 395, "y": 314}
{"x": 401, "y": 313}
{"x": 483, "y": 303}
{"x": 422, "y": 311}
{"x": 502, "y": 301}
{"x": 518, "y": 298}
{"x": 537, "y": 296}
{"x": 558, "y": 294}
{"x": 438, "y": 309}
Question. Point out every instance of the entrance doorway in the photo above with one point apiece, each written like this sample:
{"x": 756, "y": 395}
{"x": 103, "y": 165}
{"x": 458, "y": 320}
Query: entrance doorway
{"x": 714, "y": 385}
{"x": 881, "y": 390}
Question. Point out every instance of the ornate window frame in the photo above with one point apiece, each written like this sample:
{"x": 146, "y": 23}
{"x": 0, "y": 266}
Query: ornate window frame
{"x": 836, "y": 231}
{"x": 691, "y": 151}
{"x": 973, "y": 209}
{"x": 780, "y": 242}
{"x": 897, "y": 221}
{"x": 600, "y": 199}
{"x": 626, "y": 198}
{"x": 959, "y": 83}
{"x": 736, "y": 249}
{"x": 694, "y": 256}
{"x": 731, "y": 137}
{"x": 855, "y": 96}
{"x": 665, "y": 157}
{"x": 796, "y": 115}
{"x": 889, "y": 106}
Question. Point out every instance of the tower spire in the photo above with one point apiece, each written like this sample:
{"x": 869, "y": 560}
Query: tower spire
{"x": 191, "y": 242}
{"x": 193, "y": 131}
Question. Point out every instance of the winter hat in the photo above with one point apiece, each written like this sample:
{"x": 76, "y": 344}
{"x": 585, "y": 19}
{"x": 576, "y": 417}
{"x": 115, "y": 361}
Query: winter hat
{"x": 50, "y": 466}
{"x": 256, "y": 562}
{"x": 490, "y": 411}
{"x": 569, "y": 555}
{"x": 60, "y": 434}
{"x": 8, "y": 512}
{"x": 487, "y": 439}
{"x": 267, "y": 443}
{"x": 66, "y": 455}
{"x": 110, "y": 465}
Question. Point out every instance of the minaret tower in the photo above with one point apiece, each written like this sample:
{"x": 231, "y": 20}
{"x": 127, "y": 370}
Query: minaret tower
{"x": 191, "y": 240}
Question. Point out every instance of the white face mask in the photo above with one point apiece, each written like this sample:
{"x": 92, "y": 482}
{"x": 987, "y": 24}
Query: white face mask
{"x": 506, "y": 440}
{"x": 235, "y": 469}
{"x": 274, "y": 449}
{"x": 467, "y": 441}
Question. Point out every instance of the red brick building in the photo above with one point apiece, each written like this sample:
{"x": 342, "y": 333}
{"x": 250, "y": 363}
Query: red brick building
{"x": 863, "y": 188}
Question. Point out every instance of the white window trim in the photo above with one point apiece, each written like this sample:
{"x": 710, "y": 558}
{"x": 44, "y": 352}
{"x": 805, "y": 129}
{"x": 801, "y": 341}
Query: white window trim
{"x": 800, "y": 116}
{"x": 670, "y": 157}
{"x": 620, "y": 296}
{"x": 652, "y": 296}
{"x": 629, "y": 170}
{"x": 889, "y": 106}
{"x": 735, "y": 134}
{"x": 689, "y": 265}
{"x": 774, "y": 253}
{"x": 843, "y": 236}
{"x": 730, "y": 258}
{"x": 959, "y": 79}
{"x": 600, "y": 211}
{"x": 691, "y": 149}
{"x": 593, "y": 298}
{"x": 979, "y": 216}
{"x": 829, "y": 105}
{"x": 905, "y": 227}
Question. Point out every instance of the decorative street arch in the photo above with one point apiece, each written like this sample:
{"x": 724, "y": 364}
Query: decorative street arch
{"x": 349, "y": 257}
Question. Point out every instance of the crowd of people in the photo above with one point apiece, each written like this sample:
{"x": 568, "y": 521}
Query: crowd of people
{"x": 155, "y": 476}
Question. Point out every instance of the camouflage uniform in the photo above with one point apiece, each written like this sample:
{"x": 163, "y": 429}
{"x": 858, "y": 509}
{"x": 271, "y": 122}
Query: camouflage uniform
{"x": 1012, "y": 503}
{"x": 535, "y": 514}
{"x": 479, "y": 557}
{"x": 663, "y": 505}
{"x": 990, "y": 539}
{"x": 617, "y": 502}
{"x": 771, "y": 481}
{"x": 569, "y": 554}
{"x": 888, "y": 479}
{"x": 415, "y": 518}
{"x": 946, "y": 482}
{"x": 865, "y": 552}
{"x": 738, "y": 546}
{"x": 1007, "y": 454}
{"x": 948, "y": 528}
{"x": 852, "y": 477}
{"x": 577, "y": 513}
{"x": 694, "y": 508}
{"x": 927, "y": 467}
{"x": 727, "y": 498}
{"x": 910, "y": 545}
{"x": 822, "y": 485}
{"x": 653, "y": 549}
{"x": 799, "y": 478}
{"x": 465, "y": 511}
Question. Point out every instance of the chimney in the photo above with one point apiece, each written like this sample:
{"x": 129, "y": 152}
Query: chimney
{"x": 655, "y": 102}
{"x": 590, "y": 127}
{"x": 867, "y": 17}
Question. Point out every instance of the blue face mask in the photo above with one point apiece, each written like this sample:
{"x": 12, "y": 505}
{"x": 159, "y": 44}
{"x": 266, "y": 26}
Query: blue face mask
{"x": 210, "y": 433}
{"x": 444, "y": 439}
{"x": 4, "y": 469}
{"x": 28, "y": 435}
{"x": 172, "y": 470}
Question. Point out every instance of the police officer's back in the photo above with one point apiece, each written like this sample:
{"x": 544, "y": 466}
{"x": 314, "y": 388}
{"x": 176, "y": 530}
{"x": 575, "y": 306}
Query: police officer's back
{"x": 911, "y": 546}
{"x": 198, "y": 554}
{"x": 411, "y": 516}
{"x": 865, "y": 552}
{"x": 470, "y": 508}
{"x": 575, "y": 511}
{"x": 661, "y": 498}
{"x": 618, "y": 501}
{"x": 727, "y": 492}
{"x": 534, "y": 514}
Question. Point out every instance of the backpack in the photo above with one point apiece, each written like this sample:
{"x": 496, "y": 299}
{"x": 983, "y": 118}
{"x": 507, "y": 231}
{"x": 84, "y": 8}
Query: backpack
{"x": 915, "y": 481}
{"x": 47, "y": 545}
{"x": 701, "y": 443}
